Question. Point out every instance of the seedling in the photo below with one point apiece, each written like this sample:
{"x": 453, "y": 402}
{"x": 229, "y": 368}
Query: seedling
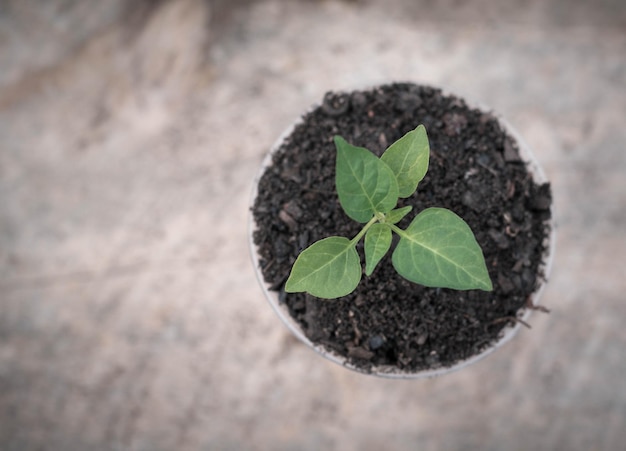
{"x": 438, "y": 248}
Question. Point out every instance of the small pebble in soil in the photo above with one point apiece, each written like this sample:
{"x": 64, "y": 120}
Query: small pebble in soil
{"x": 511, "y": 155}
{"x": 505, "y": 284}
{"x": 360, "y": 353}
{"x": 287, "y": 219}
{"x": 357, "y": 100}
{"x": 293, "y": 209}
{"x": 376, "y": 342}
{"x": 499, "y": 238}
{"x": 454, "y": 123}
{"x": 335, "y": 104}
{"x": 282, "y": 248}
{"x": 542, "y": 200}
{"x": 483, "y": 159}
{"x": 471, "y": 199}
{"x": 408, "y": 102}
{"x": 433, "y": 359}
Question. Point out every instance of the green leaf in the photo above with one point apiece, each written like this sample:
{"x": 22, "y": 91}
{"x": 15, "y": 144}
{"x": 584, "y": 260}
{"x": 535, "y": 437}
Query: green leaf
{"x": 329, "y": 268}
{"x": 395, "y": 216}
{"x": 365, "y": 185}
{"x": 438, "y": 249}
{"x": 408, "y": 159}
{"x": 377, "y": 243}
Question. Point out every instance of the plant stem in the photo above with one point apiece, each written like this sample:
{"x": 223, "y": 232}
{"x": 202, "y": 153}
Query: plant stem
{"x": 398, "y": 230}
{"x": 359, "y": 235}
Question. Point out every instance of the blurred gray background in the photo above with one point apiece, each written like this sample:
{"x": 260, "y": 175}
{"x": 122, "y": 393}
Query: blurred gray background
{"x": 130, "y": 135}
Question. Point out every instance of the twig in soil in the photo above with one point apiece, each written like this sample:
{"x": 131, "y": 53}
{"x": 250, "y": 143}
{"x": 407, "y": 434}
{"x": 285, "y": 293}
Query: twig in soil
{"x": 530, "y": 305}
{"x": 493, "y": 172}
{"x": 511, "y": 318}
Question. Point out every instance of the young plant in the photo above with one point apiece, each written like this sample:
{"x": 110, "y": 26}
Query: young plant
{"x": 438, "y": 249}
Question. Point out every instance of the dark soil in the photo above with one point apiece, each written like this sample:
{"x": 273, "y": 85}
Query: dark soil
{"x": 475, "y": 170}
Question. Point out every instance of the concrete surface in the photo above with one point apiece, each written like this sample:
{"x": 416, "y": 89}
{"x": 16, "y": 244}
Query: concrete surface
{"x": 130, "y": 133}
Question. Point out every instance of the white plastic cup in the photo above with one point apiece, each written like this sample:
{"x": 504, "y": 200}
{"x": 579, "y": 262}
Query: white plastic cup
{"x": 389, "y": 371}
